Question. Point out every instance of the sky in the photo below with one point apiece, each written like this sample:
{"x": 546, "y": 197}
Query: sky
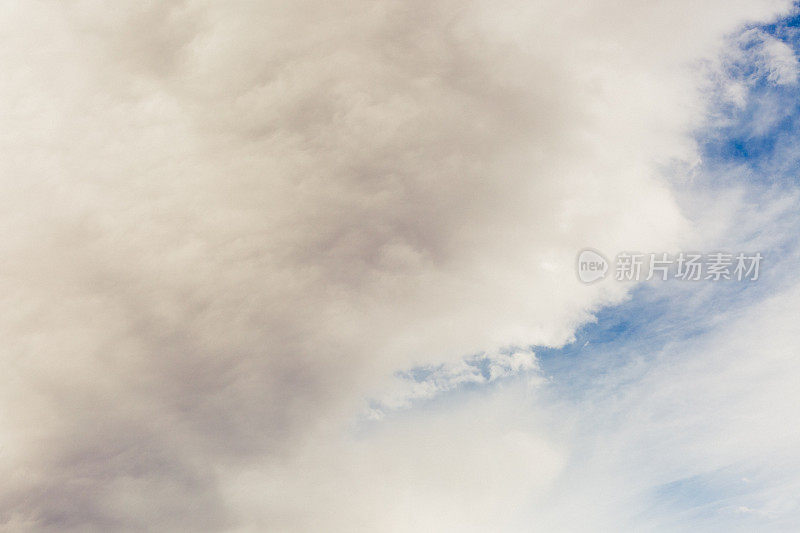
{"x": 311, "y": 266}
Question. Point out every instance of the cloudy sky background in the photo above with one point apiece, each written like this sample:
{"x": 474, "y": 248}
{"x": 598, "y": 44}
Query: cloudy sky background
{"x": 309, "y": 266}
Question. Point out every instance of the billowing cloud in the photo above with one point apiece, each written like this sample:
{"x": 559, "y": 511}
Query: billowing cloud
{"x": 226, "y": 224}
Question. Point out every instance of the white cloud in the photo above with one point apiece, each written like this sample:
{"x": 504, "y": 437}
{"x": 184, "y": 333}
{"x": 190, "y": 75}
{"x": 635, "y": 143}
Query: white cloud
{"x": 225, "y": 224}
{"x": 425, "y": 383}
{"x": 676, "y": 424}
{"x": 775, "y": 59}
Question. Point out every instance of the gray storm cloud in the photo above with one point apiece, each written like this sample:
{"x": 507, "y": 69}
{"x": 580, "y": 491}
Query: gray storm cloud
{"x": 226, "y": 223}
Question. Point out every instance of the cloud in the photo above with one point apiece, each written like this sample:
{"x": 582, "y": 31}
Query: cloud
{"x": 225, "y": 224}
{"x": 423, "y": 383}
{"x": 679, "y": 438}
{"x": 775, "y": 59}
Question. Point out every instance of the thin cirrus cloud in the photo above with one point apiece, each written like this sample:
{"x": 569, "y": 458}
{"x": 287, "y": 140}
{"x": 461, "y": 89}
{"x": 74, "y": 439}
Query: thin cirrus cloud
{"x": 226, "y": 226}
